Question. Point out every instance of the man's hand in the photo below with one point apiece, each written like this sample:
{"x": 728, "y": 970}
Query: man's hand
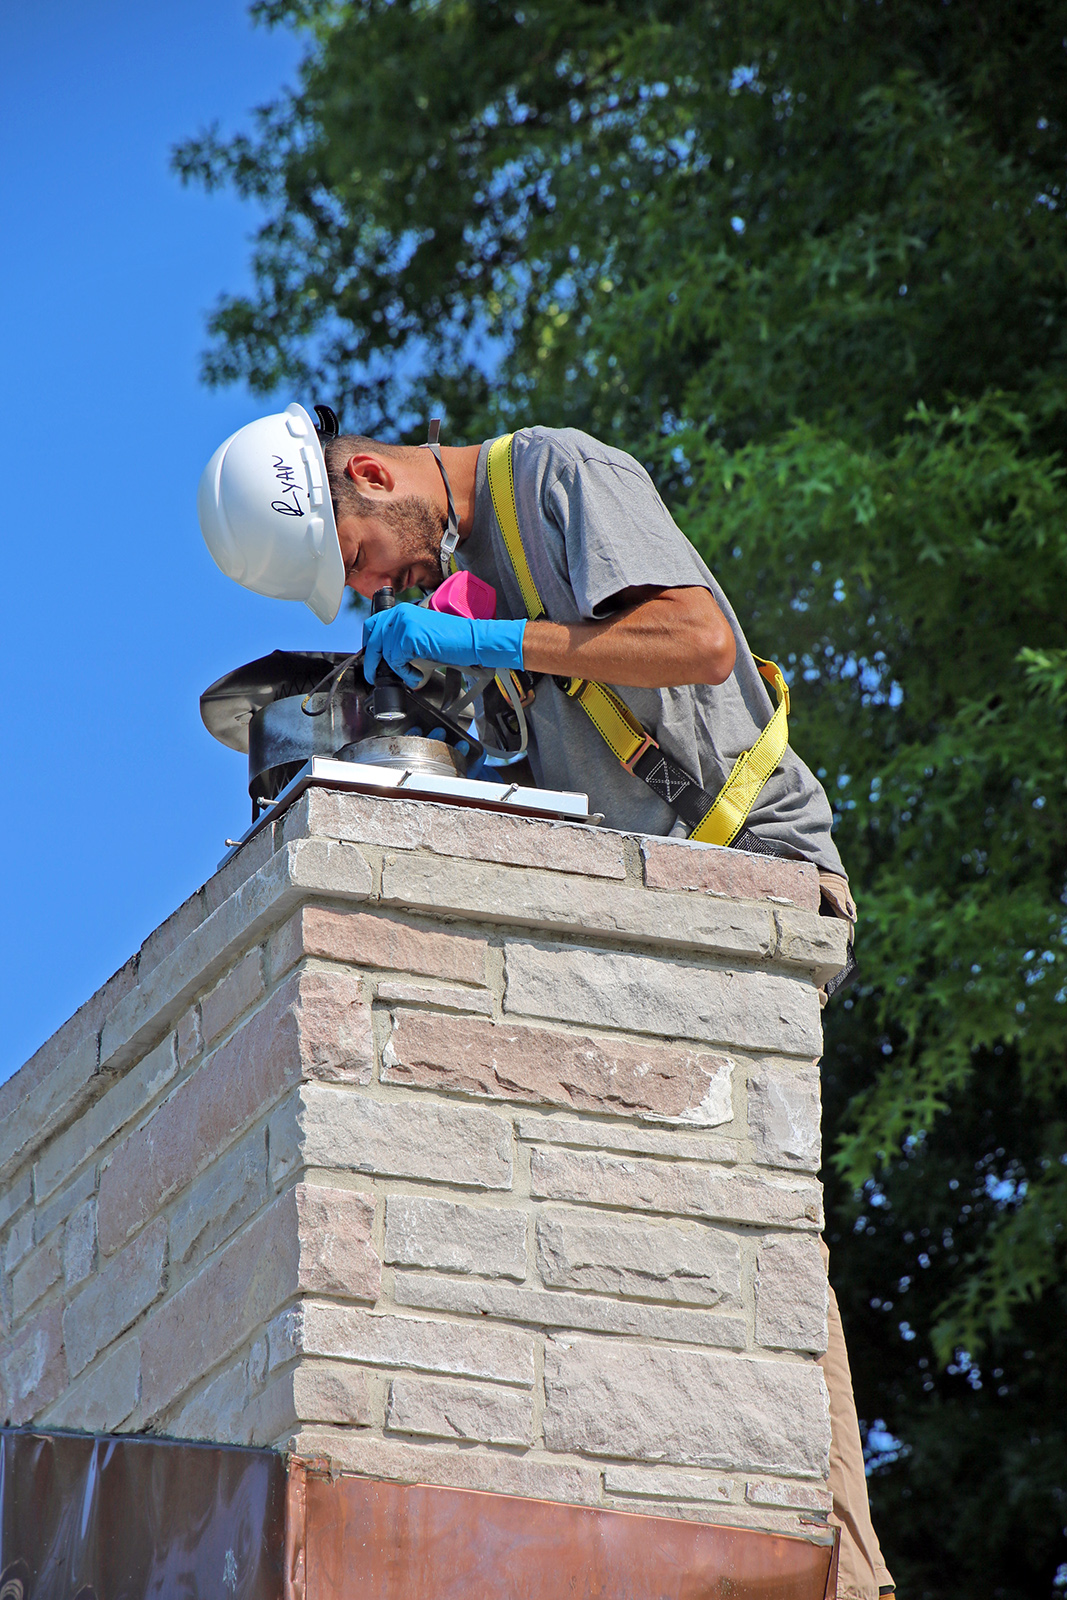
{"x": 659, "y": 639}
{"x": 412, "y": 633}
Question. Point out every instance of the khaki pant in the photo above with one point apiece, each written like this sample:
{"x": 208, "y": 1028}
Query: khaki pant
{"x": 861, "y": 1572}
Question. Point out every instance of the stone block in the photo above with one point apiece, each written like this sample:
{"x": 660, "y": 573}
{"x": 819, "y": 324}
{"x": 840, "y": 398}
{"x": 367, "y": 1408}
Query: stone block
{"x": 659, "y": 1483}
{"x": 381, "y": 1339}
{"x": 15, "y": 1194}
{"x": 791, "y": 1294}
{"x": 82, "y": 1141}
{"x": 369, "y": 939}
{"x": 423, "y": 1232}
{"x": 455, "y": 1466}
{"x": 613, "y": 1255}
{"x": 784, "y": 1109}
{"x": 33, "y": 1371}
{"x": 686, "y": 1145}
{"x": 218, "y": 1411}
{"x": 647, "y": 994}
{"x": 465, "y": 834}
{"x": 115, "y": 1297}
{"x": 65, "y": 1201}
{"x": 552, "y": 1309}
{"x": 317, "y": 1391}
{"x": 79, "y": 1244}
{"x": 690, "y": 1191}
{"x": 188, "y": 1039}
{"x": 393, "y": 991}
{"x": 337, "y": 1255}
{"x": 212, "y": 1315}
{"x": 237, "y": 993}
{"x": 677, "y": 864}
{"x": 41, "y": 1269}
{"x": 469, "y": 1411}
{"x": 19, "y": 1241}
{"x": 805, "y": 939}
{"x": 33, "y": 1104}
{"x": 217, "y": 1203}
{"x": 105, "y": 1397}
{"x": 790, "y": 1496}
{"x": 505, "y": 1061}
{"x": 333, "y": 1128}
{"x": 685, "y": 1407}
{"x": 570, "y": 904}
{"x": 313, "y": 1023}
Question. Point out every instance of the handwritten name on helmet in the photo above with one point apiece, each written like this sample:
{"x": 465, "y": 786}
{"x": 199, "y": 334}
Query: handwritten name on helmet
{"x": 287, "y": 477}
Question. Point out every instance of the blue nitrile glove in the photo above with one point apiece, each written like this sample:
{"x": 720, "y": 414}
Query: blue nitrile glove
{"x": 412, "y": 633}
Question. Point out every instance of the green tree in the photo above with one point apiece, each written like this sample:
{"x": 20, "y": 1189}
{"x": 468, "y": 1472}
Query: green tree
{"x": 810, "y": 263}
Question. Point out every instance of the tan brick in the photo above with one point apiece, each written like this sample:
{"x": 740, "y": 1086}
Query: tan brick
{"x": 481, "y": 1412}
{"x": 466, "y": 834}
{"x": 687, "y": 1144}
{"x": 378, "y": 1339}
{"x": 64, "y": 1202}
{"x": 218, "y": 1412}
{"x": 334, "y": 1128}
{"x": 784, "y": 1110}
{"x": 132, "y": 1091}
{"x": 314, "y": 1023}
{"x": 217, "y": 1203}
{"x": 215, "y": 1312}
{"x": 455, "y": 1466}
{"x": 337, "y": 1255}
{"x": 32, "y": 1368}
{"x": 791, "y": 1294}
{"x": 423, "y": 1232}
{"x": 805, "y": 939}
{"x": 34, "y": 1103}
{"x": 237, "y": 993}
{"x": 609, "y": 1397}
{"x": 552, "y": 1309}
{"x": 690, "y": 1191}
{"x": 115, "y": 1298}
{"x": 649, "y": 994}
{"x": 316, "y": 1391}
{"x": 677, "y": 864}
{"x": 681, "y": 1262}
{"x": 506, "y": 1061}
{"x": 41, "y": 1269}
{"x": 79, "y": 1244}
{"x": 799, "y": 1496}
{"x": 658, "y": 1483}
{"x": 364, "y": 939}
{"x": 439, "y": 998}
{"x": 188, "y": 1038}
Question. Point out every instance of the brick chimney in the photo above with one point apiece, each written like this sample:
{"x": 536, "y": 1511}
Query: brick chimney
{"x": 455, "y": 1148}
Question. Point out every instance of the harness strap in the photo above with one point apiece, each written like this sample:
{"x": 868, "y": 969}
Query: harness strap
{"x": 711, "y": 819}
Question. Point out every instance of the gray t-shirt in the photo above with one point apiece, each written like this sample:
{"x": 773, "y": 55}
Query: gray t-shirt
{"x": 593, "y": 525}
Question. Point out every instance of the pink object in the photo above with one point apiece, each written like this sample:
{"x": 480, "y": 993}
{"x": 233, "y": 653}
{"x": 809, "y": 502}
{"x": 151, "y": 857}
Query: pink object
{"x": 464, "y": 595}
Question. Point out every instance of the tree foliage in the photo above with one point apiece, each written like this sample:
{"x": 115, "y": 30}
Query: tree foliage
{"x": 809, "y": 262}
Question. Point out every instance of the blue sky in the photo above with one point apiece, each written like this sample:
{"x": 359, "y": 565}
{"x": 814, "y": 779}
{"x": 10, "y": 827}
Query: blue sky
{"x": 115, "y": 801}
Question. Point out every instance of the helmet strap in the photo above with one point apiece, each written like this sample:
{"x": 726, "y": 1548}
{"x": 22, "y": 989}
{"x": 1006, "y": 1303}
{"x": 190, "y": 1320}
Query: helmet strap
{"x": 451, "y": 534}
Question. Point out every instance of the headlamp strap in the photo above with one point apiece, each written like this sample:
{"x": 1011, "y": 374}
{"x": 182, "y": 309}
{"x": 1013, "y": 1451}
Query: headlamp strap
{"x": 451, "y": 536}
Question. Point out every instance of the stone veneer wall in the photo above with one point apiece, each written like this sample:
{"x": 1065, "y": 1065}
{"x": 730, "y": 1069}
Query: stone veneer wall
{"x": 457, "y": 1148}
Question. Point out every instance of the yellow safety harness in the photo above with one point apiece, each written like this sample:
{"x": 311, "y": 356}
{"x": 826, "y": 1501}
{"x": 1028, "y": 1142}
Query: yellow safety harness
{"x": 711, "y": 819}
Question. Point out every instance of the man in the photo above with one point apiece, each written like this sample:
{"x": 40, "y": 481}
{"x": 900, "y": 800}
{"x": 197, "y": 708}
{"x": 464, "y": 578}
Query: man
{"x": 300, "y": 512}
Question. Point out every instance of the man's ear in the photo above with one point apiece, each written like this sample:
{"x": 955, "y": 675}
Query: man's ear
{"x": 370, "y": 474}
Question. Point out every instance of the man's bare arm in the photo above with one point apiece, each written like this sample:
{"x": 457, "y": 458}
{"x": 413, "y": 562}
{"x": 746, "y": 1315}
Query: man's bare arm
{"x": 659, "y": 639}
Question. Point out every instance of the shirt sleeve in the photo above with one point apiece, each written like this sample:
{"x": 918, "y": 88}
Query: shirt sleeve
{"x": 617, "y": 532}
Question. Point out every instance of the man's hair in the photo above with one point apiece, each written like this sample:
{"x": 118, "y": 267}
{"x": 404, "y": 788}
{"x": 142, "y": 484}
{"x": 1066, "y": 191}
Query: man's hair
{"x": 347, "y": 500}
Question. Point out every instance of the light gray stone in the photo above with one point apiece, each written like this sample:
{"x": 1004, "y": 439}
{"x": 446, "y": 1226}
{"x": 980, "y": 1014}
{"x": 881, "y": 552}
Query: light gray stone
{"x": 648, "y": 994}
{"x": 790, "y": 1496}
{"x": 589, "y": 1178}
{"x": 33, "y": 1110}
{"x": 16, "y": 1193}
{"x": 115, "y": 1297}
{"x": 687, "y": 1407}
{"x": 79, "y": 1245}
{"x": 396, "y": 991}
{"x": 105, "y": 1397}
{"x": 133, "y": 1091}
{"x": 456, "y": 1466}
{"x": 480, "y": 1412}
{"x": 791, "y": 1294}
{"x": 19, "y": 1241}
{"x": 41, "y": 1269}
{"x": 549, "y": 1308}
{"x": 33, "y": 1371}
{"x": 378, "y": 1339}
{"x": 317, "y": 1391}
{"x": 219, "y": 1201}
{"x": 686, "y": 1146}
{"x": 442, "y": 1143}
{"x": 805, "y": 939}
{"x": 612, "y": 1255}
{"x": 784, "y": 1107}
{"x": 64, "y": 1202}
{"x": 571, "y": 904}
{"x": 657, "y": 1483}
{"x": 423, "y": 1232}
{"x": 218, "y": 1412}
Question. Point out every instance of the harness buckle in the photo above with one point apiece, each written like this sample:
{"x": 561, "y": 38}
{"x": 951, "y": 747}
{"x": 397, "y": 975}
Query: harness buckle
{"x": 648, "y": 743}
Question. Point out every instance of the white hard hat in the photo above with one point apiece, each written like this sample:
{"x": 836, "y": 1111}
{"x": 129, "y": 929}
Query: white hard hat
{"x": 266, "y": 513}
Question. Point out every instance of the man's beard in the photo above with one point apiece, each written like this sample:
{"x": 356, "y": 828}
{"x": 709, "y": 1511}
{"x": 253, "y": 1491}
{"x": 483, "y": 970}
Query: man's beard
{"x": 417, "y": 525}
